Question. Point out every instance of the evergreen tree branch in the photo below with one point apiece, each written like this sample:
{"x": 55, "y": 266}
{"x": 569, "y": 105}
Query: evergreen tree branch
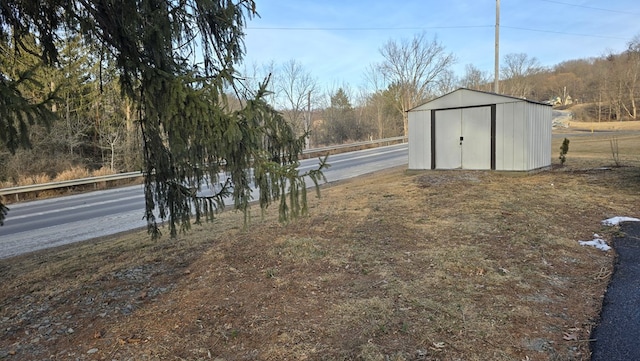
{"x": 4, "y": 210}
{"x": 190, "y": 137}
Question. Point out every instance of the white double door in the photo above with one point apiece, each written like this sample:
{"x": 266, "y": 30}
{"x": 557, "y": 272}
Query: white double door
{"x": 463, "y": 138}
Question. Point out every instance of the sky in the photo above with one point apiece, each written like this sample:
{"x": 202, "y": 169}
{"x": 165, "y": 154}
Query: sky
{"x": 336, "y": 41}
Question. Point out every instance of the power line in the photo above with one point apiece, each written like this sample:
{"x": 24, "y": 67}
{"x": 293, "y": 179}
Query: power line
{"x": 319, "y": 28}
{"x": 430, "y": 28}
{"x": 369, "y": 28}
{"x": 591, "y": 7}
{"x": 564, "y": 33}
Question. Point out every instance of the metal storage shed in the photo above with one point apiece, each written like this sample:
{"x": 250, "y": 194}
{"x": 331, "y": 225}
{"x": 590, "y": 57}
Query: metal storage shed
{"x": 470, "y": 129}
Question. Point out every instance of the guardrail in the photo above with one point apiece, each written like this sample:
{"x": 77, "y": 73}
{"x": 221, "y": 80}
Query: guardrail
{"x": 386, "y": 141}
{"x": 65, "y": 184}
{"x": 17, "y": 191}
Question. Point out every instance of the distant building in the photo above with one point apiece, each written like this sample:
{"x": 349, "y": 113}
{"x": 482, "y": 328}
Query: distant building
{"x": 558, "y": 101}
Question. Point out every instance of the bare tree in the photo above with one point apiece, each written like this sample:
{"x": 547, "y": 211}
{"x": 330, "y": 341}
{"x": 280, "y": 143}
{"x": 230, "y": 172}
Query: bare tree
{"x": 415, "y": 67}
{"x": 133, "y": 139}
{"x": 110, "y": 139}
{"x": 447, "y": 83}
{"x": 378, "y": 105}
{"x": 254, "y": 75}
{"x": 583, "y": 85}
{"x": 562, "y": 86}
{"x": 475, "y": 79}
{"x": 517, "y": 73}
{"x": 612, "y": 86}
{"x": 631, "y": 59}
{"x": 296, "y": 90}
{"x": 374, "y": 103}
{"x": 381, "y": 106}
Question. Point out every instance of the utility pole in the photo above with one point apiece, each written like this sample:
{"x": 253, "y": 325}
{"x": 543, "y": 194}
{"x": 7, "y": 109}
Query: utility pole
{"x": 307, "y": 141}
{"x": 496, "y": 81}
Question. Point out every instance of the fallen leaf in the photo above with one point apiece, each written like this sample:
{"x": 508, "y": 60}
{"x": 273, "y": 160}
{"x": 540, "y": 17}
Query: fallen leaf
{"x": 570, "y": 336}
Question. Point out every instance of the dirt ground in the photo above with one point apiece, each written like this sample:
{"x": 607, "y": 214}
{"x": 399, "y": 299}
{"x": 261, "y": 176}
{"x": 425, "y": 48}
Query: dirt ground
{"x": 396, "y": 265}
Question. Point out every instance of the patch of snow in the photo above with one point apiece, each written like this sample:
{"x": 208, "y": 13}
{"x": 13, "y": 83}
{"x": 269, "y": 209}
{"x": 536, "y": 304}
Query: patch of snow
{"x": 597, "y": 242}
{"x": 617, "y": 220}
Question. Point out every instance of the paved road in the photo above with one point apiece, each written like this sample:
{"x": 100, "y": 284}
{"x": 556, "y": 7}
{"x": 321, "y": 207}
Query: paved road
{"x": 53, "y": 222}
{"x": 617, "y": 337}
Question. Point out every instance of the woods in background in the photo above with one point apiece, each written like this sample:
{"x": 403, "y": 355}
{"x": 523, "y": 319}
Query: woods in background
{"x": 94, "y": 123}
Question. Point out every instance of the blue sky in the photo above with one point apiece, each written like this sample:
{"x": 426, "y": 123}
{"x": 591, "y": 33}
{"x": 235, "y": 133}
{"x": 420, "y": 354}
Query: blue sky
{"x": 335, "y": 41}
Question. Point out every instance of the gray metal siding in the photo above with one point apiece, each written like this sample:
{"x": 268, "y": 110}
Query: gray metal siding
{"x": 510, "y": 134}
{"x": 505, "y": 136}
{"x": 539, "y": 137}
{"x": 419, "y": 140}
{"x": 520, "y": 131}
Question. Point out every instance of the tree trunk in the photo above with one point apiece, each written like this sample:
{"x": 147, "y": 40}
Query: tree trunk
{"x": 600, "y": 106}
{"x": 380, "y": 122}
{"x": 113, "y": 156}
{"x": 634, "y": 111}
{"x": 405, "y": 122}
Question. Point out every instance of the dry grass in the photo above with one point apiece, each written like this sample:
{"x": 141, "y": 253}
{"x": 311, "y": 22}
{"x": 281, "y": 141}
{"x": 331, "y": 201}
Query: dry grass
{"x": 72, "y": 173}
{"x": 27, "y": 181}
{"x": 595, "y": 150}
{"x": 102, "y": 171}
{"x": 69, "y": 174}
{"x": 600, "y": 126}
{"x": 397, "y": 265}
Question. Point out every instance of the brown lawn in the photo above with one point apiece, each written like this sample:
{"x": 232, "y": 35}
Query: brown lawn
{"x": 397, "y": 265}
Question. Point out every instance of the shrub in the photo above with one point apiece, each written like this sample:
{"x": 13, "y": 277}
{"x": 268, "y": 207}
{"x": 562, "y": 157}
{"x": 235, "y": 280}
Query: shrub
{"x": 72, "y": 173}
{"x": 564, "y": 149}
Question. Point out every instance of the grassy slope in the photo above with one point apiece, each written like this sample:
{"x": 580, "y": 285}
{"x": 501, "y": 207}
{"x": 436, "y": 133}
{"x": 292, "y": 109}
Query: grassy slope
{"x": 395, "y": 265}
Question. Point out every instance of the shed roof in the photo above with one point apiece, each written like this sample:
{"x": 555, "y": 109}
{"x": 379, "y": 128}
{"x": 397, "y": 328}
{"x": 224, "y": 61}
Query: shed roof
{"x": 480, "y": 92}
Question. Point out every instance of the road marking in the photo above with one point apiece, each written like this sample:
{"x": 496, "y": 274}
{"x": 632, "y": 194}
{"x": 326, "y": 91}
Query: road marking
{"x": 86, "y": 205}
